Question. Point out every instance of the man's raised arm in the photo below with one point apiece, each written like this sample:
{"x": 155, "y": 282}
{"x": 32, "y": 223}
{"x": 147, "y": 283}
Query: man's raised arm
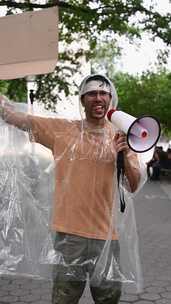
{"x": 9, "y": 115}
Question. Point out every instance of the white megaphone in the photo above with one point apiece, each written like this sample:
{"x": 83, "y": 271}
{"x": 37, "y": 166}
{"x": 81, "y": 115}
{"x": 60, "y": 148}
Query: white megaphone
{"x": 142, "y": 133}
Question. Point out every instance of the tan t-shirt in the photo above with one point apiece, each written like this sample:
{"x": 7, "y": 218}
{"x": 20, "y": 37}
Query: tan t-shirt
{"x": 85, "y": 175}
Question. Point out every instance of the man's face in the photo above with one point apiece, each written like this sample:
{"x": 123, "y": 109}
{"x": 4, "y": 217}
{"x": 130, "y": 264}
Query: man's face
{"x": 96, "y": 104}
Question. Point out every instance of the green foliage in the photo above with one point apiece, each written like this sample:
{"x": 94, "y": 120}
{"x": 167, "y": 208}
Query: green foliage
{"x": 149, "y": 94}
{"x": 14, "y": 89}
{"x": 104, "y": 57}
{"x": 3, "y": 87}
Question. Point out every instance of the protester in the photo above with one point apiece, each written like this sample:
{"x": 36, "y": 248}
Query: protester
{"x": 85, "y": 153}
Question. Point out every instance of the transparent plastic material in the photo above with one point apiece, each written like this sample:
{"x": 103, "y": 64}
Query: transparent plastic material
{"x": 60, "y": 215}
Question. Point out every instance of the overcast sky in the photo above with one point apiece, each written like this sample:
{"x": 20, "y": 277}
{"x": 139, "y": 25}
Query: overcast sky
{"x": 140, "y": 57}
{"x": 136, "y": 59}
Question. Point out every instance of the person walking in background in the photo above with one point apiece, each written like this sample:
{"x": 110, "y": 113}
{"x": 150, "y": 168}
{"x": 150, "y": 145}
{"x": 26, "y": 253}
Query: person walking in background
{"x": 169, "y": 158}
{"x": 85, "y": 153}
{"x": 153, "y": 166}
{"x": 161, "y": 160}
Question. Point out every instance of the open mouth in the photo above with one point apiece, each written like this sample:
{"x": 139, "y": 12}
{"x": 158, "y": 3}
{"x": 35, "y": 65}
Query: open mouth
{"x": 98, "y": 109}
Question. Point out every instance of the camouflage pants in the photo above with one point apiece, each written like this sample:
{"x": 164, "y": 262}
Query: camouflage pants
{"x": 77, "y": 258}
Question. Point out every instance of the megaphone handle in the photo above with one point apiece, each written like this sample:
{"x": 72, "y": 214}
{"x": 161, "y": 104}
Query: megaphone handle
{"x": 120, "y": 174}
{"x": 120, "y": 161}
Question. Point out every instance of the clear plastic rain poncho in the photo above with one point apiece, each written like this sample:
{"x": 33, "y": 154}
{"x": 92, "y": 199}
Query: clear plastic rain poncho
{"x": 59, "y": 205}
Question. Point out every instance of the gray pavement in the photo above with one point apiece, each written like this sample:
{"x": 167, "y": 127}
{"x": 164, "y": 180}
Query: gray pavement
{"x": 153, "y": 216}
{"x": 153, "y": 210}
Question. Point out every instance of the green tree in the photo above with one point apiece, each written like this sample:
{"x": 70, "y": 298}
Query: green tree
{"x": 104, "y": 57}
{"x": 3, "y": 87}
{"x": 91, "y": 20}
{"x": 148, "y": 94}
{"x": 14, "y": 89}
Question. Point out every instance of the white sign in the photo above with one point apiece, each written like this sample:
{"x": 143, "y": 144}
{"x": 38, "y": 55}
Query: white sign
{"x": 28, "y": 43}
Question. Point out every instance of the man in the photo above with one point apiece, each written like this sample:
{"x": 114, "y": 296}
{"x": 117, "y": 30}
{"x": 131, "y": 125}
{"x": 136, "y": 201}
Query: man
{"x": 85, "y": 154}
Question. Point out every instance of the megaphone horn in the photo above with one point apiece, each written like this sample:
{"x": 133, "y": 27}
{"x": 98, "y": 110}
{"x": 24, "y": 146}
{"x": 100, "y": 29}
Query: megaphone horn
{"x": 142, "y": 133}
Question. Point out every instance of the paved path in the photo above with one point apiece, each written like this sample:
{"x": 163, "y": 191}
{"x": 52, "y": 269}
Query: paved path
{"x": 153, "y": 215}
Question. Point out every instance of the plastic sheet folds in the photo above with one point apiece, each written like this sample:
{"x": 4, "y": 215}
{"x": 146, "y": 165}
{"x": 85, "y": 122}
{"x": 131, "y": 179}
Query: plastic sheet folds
{"x": 60, "y": 214}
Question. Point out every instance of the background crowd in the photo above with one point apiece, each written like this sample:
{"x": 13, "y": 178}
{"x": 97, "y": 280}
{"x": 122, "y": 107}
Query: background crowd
{"x": 160, "y": 163}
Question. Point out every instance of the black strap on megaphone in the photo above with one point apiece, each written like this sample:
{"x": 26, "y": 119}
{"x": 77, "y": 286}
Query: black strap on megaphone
{"x": 120, "y": 177}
